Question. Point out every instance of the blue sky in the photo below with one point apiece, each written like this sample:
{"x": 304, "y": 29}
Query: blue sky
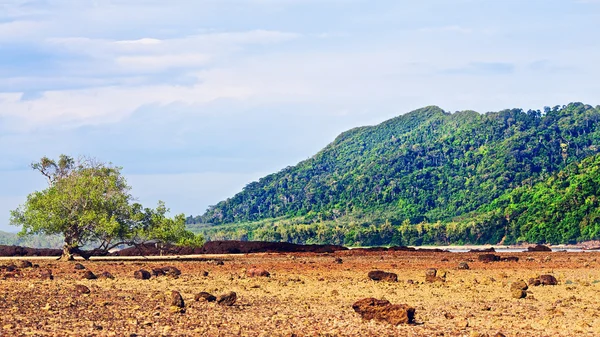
{"x": 195, "y": 99}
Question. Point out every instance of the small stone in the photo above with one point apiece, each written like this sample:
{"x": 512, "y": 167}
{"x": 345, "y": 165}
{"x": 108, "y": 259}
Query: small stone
{"x": 79, "y": 266}
{"x": 227, "y": 299}
{"x": 141, "y": 274}
{"x": 46, "y": 274}
{"x": 339, "y": 260}
{"x": 486, "y": 258}
{"x": 176, "y": 299}
{"x": 257, "y": 272}
{"x": 383, "y": 310}
{"x": 548, "y": 280}
{"x": 463, "y": 266}
{"x": 88, "y": 275}
{"x": 520, "y": 285}
{"x": 204, "y": 273}
{"x": 82, "y": 289}
{"x": 107, "y": 275}
{"x": 204, "y": 296}
{"x": 171, "y": 271}
{"x": 380, "y": 275}
{"x": 23, "y": 264}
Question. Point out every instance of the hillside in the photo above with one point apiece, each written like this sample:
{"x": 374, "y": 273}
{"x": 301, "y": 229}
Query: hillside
{"x": 420, "y": 171}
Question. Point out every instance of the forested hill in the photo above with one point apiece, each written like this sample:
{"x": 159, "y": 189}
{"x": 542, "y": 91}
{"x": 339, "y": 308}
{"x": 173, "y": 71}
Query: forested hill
{"x": 423, "y": 167}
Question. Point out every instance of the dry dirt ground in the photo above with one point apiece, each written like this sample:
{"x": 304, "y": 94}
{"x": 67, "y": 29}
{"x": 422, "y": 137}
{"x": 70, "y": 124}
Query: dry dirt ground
{"x": 306, "y": 295}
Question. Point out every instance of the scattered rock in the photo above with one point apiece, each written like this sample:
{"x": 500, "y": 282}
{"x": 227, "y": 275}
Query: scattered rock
{"x": 218, "y": 263}
{"x": 486, "y": 258}
{"x": 383, "y": 310}
{"x": 227, "y": 299}
{"x": 410, "y": 282}
{"x": 499, "y": 334}
{"x": 81, "y": 289}
{"x": 339, "y": 260}
{"x": 257, "y": 272}
{"x": 509, "y": 259}
{"x": 520, "y": 285}
{"x": 46, "y": 274}
{"x": 171, "y": 271}
{"x": 380, "y": 275}
{"x": 548, "y": 280}
{"x": 79, "y": 266}
{"x": 463, "y": 266}
{"x": 156, "y": 272}
{"x": 445, "y": 259}
{"x": 539, "y": 248}
{"x": 141, "y": 274}
{"x": 518, "y": 293}
{"x": 176, "y": 299}
{"x": 23, "y": 264}
{"x": 88, "y": 275}
{"x": 205, "y": 273}
{"x": 431, "y": 276}
{"x": 204, "y": 296}
{"x": 534, "y": 282}
{"x": 106, "y": 275}
{"x": 483, "y": 250}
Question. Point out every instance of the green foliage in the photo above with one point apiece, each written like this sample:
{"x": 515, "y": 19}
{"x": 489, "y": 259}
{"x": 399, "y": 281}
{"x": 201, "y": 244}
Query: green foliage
{"x": 89, "y": 202}
{"x": 443, "y": 173}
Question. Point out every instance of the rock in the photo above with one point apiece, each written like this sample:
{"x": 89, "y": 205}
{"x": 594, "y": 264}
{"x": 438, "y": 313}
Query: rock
{"x": 23, "y": 264}
{"x": 106, "y": 275}
{"x": 431, "y": 276}
{"x": 486, "y": 258}
{"x": 79, "y": 266}
{"x": 499, "y": 334}
{"x": 380, "y": 275}
{"x": 141, "y": 274}
{"x": 218, "y": 263}
{"x": 509, "y": 259}
{"x": 383, "y": 310}
{"x": 518, "y": 293}
{"x": 445, "y": 259}
{"x": 257, "y": 272}
{"x": 204, "y": 296}
{"x": 539, "y": 248}
{"x": 463, "y": 266}
{"x": 534, "y": 282}
{"x": 171, "y": 271}
{"x": 520, "y": 285}
{"x": 46, "y": 274}
{"x": 81, "y": 289}
{"x": 339, "y": 260}
{"x": 548, "y": 280}
{"x": 88, "y": 275}
{"x": 227, "y": 299}
{"x": 156, "y": 272}
{"x": 204, "y": 273}
{"x": 483, "y": 250}
{"x": 177, "y": 300}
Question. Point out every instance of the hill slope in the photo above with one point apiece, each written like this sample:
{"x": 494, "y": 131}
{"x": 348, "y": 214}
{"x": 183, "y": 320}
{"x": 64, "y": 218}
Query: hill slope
{"x": 421, "y": 168}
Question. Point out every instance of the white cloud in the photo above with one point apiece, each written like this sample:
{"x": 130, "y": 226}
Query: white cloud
{"x": 19, "y": 30}
{"x": 157, "y": 63}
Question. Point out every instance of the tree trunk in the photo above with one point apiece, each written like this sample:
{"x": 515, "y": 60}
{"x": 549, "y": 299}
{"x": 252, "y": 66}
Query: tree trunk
{"x": 67, "y": 254}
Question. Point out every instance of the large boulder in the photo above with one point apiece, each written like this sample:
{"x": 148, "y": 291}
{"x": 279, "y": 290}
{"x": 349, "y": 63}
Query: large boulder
{"x": 205, "y": 297}
{"x": 539, "y": 248}
{"x": 431, "y": 276}
{"x": 81, "y": 289}
{"x": 383, "y": 310}
{"x": 486, "y": 258}
{"x": 176, "y": 299}
{"x": 521, "y": 285}
{"x": 548, "y": 280}
{"x": 380, "y": 275}
{"x": 88, "y": 275}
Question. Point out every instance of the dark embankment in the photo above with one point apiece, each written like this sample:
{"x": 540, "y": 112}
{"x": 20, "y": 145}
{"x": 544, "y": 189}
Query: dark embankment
{"x": 25, "y": 251}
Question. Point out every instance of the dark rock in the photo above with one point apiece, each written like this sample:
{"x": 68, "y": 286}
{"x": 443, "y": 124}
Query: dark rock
{"x": 483, "y": 250}
{"x": 499, "y": 334}
{"x": 539, "y": 248}
{"x": 383, "y": 310}
{"x": 445, "y": 260}
{"x": 204, "y": 296}
{"x": 534, "y": 282}
{"x": 156, "y": 272}
{"x": 218, "y": 263}
{"x": 141, "y": 274}
{"x": 171, "y": 271}
{"x": 176, "y": 299}
{"x": 81, "y": 289}
{"x": 23, "y": 264}
{"x": 10, "y": 268}
{"x": 339, "y": 260}
{"x": 431, "y": 276}
{"x": 380, "y": 275}
{"x": 509, "y": 259}
{"x": 88, "y": 275}
{"x": 106, "y": 275}
{"x": 257, "y": 272}
{"x": 204, "y": 273}
{"x": 79, "y": 266}
{"x": 486, "y": 258}
{"x": 227, "y": 299}
{"x": 463, "y": 266}
{"x": 548, "y": 280}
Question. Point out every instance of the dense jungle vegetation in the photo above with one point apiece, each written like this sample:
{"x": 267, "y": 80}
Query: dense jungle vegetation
{"x": 432, "y": 177}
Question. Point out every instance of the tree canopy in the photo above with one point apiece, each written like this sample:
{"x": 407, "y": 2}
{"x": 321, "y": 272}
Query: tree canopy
{"x": 427, "y": 174}
{"x": 89, "y": 203}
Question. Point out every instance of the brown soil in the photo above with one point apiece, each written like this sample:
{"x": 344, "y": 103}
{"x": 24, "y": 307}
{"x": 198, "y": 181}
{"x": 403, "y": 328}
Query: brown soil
{"x": 307, "y": 294}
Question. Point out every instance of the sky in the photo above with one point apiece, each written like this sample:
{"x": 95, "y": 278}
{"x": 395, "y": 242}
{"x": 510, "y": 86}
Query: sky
{"x": 195, "y": 99}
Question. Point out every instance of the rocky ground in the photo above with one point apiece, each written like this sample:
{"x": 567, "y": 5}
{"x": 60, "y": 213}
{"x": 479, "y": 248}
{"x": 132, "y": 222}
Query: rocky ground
{"x": 307, "y": 294}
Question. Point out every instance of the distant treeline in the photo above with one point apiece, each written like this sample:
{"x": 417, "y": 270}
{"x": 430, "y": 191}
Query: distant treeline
{"x": 431, "y": 177}
{"x": 33, "y": 241}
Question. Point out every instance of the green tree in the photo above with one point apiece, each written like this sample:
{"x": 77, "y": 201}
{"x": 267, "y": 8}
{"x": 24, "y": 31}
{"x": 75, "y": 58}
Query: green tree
{"x": 88, "y": 203}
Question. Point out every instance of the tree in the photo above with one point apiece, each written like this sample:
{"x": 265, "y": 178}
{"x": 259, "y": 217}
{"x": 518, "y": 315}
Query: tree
{"x": 88, "y": 203}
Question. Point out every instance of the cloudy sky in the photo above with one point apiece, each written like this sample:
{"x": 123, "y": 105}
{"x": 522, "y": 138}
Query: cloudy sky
{"x": 194, "y": 99}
